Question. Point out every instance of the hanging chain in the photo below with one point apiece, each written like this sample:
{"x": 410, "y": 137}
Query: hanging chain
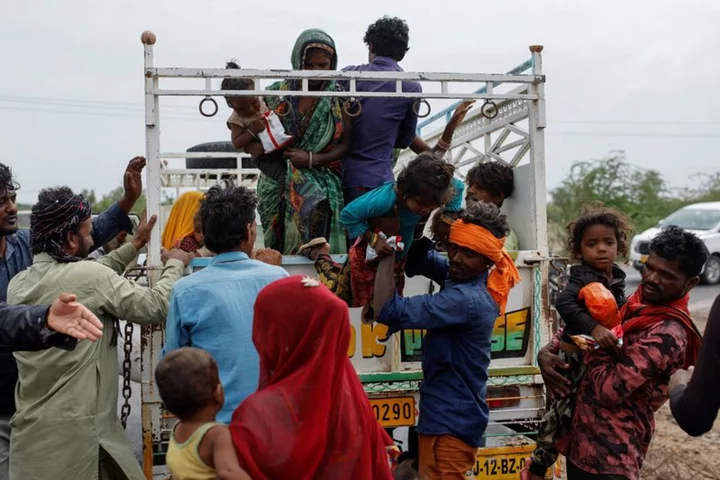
{"x": 126, "y": 370}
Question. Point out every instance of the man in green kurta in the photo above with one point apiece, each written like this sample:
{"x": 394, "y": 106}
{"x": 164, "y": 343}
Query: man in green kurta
{"x": 66, "y": 425}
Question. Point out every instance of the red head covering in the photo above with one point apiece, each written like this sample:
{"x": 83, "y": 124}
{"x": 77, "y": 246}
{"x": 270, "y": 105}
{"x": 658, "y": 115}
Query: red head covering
{"x": 310, "y": 418}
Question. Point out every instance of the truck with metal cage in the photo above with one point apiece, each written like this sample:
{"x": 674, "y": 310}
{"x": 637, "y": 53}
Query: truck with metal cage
{"x": 507, "y": 127}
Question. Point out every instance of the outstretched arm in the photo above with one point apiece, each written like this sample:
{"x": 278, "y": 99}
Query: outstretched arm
{"x": 695, "y": 405}
{"x": 110, "y": 222}
{"x": 32, "y": 328}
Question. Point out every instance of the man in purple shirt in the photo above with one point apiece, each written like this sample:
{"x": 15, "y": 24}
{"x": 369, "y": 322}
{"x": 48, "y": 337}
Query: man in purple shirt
{"x": 385, "y": 123}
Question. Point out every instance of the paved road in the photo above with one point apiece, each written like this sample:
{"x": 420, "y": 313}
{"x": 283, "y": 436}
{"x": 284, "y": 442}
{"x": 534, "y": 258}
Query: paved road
{"x": 701, "y": 298}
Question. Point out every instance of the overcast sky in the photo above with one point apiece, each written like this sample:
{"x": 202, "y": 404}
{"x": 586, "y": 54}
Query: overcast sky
{"x": 637, "y": 75}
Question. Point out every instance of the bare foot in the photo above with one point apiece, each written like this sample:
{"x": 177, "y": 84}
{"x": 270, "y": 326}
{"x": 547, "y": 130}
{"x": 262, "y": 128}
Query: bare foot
{"x": 315, "y": 252}
{"x": 314, "y": 248}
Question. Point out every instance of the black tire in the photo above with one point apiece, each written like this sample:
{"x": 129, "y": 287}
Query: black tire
{"x": 220, "y": 163}
{"x": 711, "y": 273}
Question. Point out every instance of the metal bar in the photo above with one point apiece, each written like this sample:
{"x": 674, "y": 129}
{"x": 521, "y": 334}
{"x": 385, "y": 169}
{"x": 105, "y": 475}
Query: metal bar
{"x": 473, "y": 149}
{"x": 542, "y": 317}
{"x": 520, "y": 154}
{"x": 496, "y": 157}
{"x": 495, "y": 78}
{"x": 492, "y": 127}
{"x": 486, "y": 121}
{"x": 515, "y": 72}
{"x": 212, "y": 172}
{"x": 336, "y": 94}
{"x": 501, "y": 138}
{"x": 204, "y": 155}
{"x": 459, "y": 156}
{"x": 510, "y": 146}
{"x": 517, "y": 130}
{"x": 153, "y": 188}
{"x": 537, "y": 152}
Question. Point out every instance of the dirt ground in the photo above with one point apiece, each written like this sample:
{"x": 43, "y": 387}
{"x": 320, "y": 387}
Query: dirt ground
{"x": 675, "y": 455}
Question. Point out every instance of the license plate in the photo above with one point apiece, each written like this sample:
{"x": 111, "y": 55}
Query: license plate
{"x": 394, "y": 412}
{"x": 643, "y": 258}
{"x": 504, "y": 467}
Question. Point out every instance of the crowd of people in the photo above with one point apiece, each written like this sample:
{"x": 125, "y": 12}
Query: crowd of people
{"x": 255, "y": 364}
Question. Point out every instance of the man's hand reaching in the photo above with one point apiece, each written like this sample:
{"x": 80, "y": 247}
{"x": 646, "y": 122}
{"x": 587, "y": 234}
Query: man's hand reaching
{"x": 132, "y": 183}
{"x": 68, "y": 317}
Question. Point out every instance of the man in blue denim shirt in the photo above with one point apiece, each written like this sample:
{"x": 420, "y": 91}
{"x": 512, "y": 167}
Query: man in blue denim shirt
{"x": 456, "y": 351}
{"x": 16, "y": 256}
{"x": 213, "y": 308}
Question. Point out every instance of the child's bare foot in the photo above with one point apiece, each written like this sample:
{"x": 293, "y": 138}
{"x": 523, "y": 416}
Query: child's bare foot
{"x": 314, "y": 248}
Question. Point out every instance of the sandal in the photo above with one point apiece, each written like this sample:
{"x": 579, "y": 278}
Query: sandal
{"x": 309, "y": 250}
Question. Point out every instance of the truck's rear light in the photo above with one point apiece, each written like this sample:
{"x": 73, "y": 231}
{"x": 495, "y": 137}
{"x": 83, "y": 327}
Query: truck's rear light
{"x": 503, "y": 397}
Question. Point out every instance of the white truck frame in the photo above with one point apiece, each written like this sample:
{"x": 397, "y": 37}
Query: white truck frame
{"x": 509, "y": 128}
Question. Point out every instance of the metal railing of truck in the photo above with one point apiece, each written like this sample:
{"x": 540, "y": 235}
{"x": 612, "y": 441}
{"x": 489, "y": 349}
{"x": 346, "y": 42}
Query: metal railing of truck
{"x": 498, "y": 110}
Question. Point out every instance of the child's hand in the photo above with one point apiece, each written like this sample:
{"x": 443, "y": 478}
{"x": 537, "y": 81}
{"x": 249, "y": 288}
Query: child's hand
{"x": 604, "y": 337}
{"x": 382, "y": 248}
{"x": 257, "y": 126}
{"x": 461, "y": 111}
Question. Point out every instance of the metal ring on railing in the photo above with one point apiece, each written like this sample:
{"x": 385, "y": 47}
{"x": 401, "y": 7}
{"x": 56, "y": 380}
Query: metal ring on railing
{"x": 416, "y": 107}
{"x": 347, "y": 106}
{"x": 286, "y": 110}
{"x": 489, "y": 109}
{"x": 211, "y": 113}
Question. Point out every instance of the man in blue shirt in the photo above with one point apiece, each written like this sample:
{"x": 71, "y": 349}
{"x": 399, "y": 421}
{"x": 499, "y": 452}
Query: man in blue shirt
{"x": 213, "y": 308}
{"x": 459, "y": 321}
{"x": 385, "y": 123}
{"x": 16, "y": 256}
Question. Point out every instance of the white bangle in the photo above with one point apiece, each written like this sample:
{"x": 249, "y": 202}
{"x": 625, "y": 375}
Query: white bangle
{"x": 311, "y": 159}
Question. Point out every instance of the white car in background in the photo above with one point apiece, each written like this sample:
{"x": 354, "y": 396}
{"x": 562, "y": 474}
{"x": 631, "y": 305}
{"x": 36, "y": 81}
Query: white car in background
{"x": 702, "y": 219}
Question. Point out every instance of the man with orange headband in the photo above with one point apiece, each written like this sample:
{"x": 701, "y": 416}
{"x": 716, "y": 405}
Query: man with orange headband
{"x": 459, "y": 321}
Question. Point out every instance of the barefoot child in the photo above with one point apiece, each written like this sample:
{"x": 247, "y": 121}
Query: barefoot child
{"x": 424, "y": 185}
{"x": 200, "y": 448}
{"x": 596, "y": 238}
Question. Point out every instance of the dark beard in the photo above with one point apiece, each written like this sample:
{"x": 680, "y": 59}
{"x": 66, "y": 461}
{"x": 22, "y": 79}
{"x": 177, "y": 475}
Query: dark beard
{"x": 7, "y": 231}
{"x": 84, "y": 251}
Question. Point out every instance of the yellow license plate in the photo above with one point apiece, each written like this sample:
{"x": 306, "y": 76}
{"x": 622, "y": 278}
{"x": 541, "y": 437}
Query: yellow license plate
{"x": 502, "y": 467}
{"x": 394, "y": 412}
{"x": 643, "y": 258}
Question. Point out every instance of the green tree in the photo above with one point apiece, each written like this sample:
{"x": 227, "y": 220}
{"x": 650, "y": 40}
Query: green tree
{"x": 89, "y": 195}
{"x": 642, "y": 195}
{"x": 107, "y": 200}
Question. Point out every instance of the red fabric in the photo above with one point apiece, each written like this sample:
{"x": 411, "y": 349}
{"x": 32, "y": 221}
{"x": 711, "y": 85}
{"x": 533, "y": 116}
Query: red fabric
{"x": 310, "y": 418}
{"x": 639, "y": 316}
{"x": 362, "y": 277}
{"x": 188, "y": 244}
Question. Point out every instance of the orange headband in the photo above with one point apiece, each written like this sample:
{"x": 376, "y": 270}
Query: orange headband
{"x": 505, "y": 275}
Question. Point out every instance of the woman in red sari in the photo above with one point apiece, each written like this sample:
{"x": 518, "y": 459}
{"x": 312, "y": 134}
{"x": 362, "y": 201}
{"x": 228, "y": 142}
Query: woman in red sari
{"x": 310, "y": 418}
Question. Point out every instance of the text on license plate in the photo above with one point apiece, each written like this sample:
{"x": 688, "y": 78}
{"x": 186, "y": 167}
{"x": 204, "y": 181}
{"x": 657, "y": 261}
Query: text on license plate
{"x": 502, "y": 467}
{"x": 394, "y": 412}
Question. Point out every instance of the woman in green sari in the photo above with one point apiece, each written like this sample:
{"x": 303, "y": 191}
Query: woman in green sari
{"x": 304, "y": 201}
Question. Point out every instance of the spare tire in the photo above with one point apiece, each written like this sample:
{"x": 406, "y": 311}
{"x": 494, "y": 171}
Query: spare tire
{"x": 220, "y": 163}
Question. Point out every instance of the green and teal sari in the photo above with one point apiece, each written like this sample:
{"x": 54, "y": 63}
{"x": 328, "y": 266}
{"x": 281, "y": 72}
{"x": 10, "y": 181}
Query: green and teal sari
{"x": 307, "y": 202}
